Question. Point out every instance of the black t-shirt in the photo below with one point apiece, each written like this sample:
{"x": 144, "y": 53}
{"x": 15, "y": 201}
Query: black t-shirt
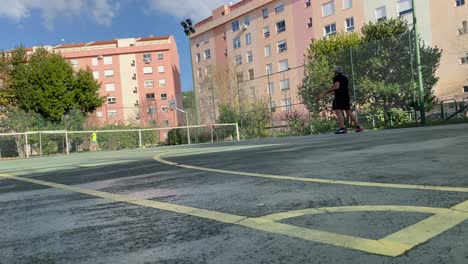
{"x": 343, "y": 91}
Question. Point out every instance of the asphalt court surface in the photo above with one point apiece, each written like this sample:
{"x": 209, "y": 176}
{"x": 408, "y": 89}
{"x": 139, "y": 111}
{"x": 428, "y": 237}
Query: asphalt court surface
{"x": 394, "y": 196}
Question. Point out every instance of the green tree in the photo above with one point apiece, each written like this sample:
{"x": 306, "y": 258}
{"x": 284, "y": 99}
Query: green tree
{"x": 45, "y": 83}
{"x": 381, "y": 60}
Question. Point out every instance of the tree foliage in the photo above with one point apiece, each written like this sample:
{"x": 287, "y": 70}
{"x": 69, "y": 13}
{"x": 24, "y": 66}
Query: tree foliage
{"x": 382, "y": 59}
{"x": 45, "y": 83}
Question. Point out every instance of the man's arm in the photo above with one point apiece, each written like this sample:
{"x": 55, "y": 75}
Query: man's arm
{"x": 333, "y": 88}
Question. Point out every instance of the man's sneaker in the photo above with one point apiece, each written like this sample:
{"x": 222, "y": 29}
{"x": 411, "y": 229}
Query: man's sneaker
{"x": 341, "y": 131}
{"x": 359, "y": 129}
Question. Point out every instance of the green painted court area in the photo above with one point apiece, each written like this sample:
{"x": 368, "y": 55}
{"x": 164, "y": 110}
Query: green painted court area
{"x": 392, "y": 196}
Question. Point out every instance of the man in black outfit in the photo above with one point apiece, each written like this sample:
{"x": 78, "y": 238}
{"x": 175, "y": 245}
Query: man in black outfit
{"x": 341, "y": 103}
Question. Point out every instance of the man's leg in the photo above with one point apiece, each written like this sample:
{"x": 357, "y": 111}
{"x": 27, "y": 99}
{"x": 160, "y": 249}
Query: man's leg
{"x": 340, "y": 117}
{"x": 351, "y": 115}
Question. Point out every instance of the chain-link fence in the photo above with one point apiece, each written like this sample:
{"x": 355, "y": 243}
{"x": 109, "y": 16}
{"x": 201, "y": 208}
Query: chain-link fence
{"x": 28, "y": 144}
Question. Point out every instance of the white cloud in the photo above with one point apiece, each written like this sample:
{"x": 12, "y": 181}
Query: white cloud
{"x": 101, "y": 11}
{"x": 195, "y": 9}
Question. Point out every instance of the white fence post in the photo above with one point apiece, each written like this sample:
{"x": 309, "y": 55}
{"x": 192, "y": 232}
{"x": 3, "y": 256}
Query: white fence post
{"x": 139, "y": 139}
{"x": 211, "y": 127}
{"x": 237, "y": 130}
{"x": 26, "y": 145}
{"x": 40, "y": 144}
{"x": 67, "y": 147}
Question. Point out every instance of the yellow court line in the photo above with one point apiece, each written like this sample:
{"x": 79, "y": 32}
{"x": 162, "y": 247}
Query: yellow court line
{"x": 316, "y": 180}
{"x": 368, "y": 245}
{"x": 393, "y": 245}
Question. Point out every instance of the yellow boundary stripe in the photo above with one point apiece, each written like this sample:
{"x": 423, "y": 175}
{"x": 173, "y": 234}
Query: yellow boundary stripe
{"x": 316, "y": 180}
{"x": 393, "y": 245}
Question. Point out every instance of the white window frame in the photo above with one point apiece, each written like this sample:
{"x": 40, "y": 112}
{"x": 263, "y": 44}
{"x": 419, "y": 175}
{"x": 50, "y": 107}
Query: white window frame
{"x": 285, "y": 84}
{"x": 207, "y": 54}
{"x": 148, "y": 70}
{"x": 283, "y": 65}
{"x": 164, "y": 109}
{"x": 160, "y": 55}
{"x": 161, "y": 69}
{"x": 99, "y": 114}
{"x": 163, "y": 96}
{"x": 281, "y": 28}
{"x": 111, "y": 100}
{"x": 265, "y": 13}
{"x": 246, "y": 20}
{"x": 108, "y": 60}
{"x": 151, "y": 110}
{"x": 248, "y": 39}
{"x": 349, "y": 26}
{"x": 271, "y": 87}
{"x": 149, "y": 83}
{"x": 405, "y": 7}
{"x": 94, "y": 61}
{"x": 282, "y": 46}
{"x": 347, "y": 4}
{"x": 96, "y": 75}
{"x": 74, "y": 63}
{"x": 279, "y": 8}
{"x": 381, "y": 13}
{"x": 162, "y": 83}
{"x": 459, "y": 3}
{"x": 249, "y": 56}
{"x": 198, "y": 57}
{"x": 109, "y": 73}
{"x": 110, "y": 87}
{"x": 328, "y": 8}
{"x": 266, "y": 32}
{"x": 235, "y": 26}
{"x": 332, "y": 30}
{"x": 267, "y": 50}
{"x": 112, "y": 113}
{"x": 149, "y": 98}
{"x": 236, "y": 43}
{"x": 251, "y": 74}
{"x": 269, "y": 69}
{"x": 165, "y": 123}
{"x": 238, "y": 59}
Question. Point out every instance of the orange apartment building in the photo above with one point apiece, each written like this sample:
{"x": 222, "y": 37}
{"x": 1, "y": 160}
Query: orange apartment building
{"x": 256, "y": 48}
{"x": 138, "y": 77}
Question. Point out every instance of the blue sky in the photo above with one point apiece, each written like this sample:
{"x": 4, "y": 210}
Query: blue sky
{"x": 49, "y": 22}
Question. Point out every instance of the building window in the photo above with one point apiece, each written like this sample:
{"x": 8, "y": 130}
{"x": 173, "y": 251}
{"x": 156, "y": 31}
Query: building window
{"x": 282, "y": 46}
{"x": 283, "y": 65}
{"x": 279, "y": 8}
{"x": 464, "y": 29}
{"x": 198, "y": 57}
{"x": 96, "y": 75}
{"x": 240, "y": 77}
{"x": 163, "y": 96}
{"x": 235, "y": 26}
{"x": 246, "y": 20}
{"x": 284, "y": 84}
{"x": 99, "y": 114}
{"x": 162, "y": 82}
{"x": 248, "y": 39}
{"x": 265, "y": 13}
{"x": 109, "y": 73}
{"x": 112, "y": 113}
{"x": 238, "y": 59}
{"x": 107, "y": 60}
{"x": 350, "y": 24}
{"x": 307, "y": 4}
{"x": 236, "y": 43}
{"x": 465, "y": 89}
{"x": 309, "y": 24}
{"x": 381, "y": 13}
{"x": 164, "y": 109}
{"x": 199, "y": 72}
{"x": 269, "y": 69}
{"x": 249, "y": 56}
{"x": 330, "y": 30}
{"x": 207, "y": 54}
{"x": 266, "y": 32}
{"x": 148, "y": 70}
{"x": 459, "y": 2}
{"x": 149, "y": 84}
{"x": 405, "y": 7}
{"x": 160, "y": 56}
{"x": 152, "y": 110}
{"x": 150, "y": 97}
{"x": 110, "y": 87}
{"x": 464, "y": 60}
{"x": 287, "y": 105}
{"x": 271, "y": 88}
{"x": 95, "y": 61}
{"x": 161, "y": 69}
{"x": 147, "y": 57}
{"x": 251, "y": 74}
{"x": 208, "y": 70}
{"x": 74, "y": 63}
{"x": 281, "y": 26}
{"x": 267, "y": 50}
{"x": 347, "y": 4}
{"x": 111, "y": 100}
{"x": 328, "y": 9}
{"x": 165, "y": 123}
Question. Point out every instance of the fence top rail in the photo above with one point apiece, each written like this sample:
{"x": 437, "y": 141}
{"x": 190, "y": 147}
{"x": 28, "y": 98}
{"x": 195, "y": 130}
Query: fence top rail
{"x": 111, "y": 131}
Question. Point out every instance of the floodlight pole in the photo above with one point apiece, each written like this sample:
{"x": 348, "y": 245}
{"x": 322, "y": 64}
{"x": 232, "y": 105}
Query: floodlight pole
{"x": 418, "y": 61}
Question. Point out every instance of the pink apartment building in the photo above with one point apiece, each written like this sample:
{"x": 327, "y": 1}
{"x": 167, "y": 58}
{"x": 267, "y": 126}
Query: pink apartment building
{"x": 257, "y": 48}
{"x": 138, "y": 77}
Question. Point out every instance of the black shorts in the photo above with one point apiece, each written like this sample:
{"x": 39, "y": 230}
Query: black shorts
{"x": 341, "y": 103}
